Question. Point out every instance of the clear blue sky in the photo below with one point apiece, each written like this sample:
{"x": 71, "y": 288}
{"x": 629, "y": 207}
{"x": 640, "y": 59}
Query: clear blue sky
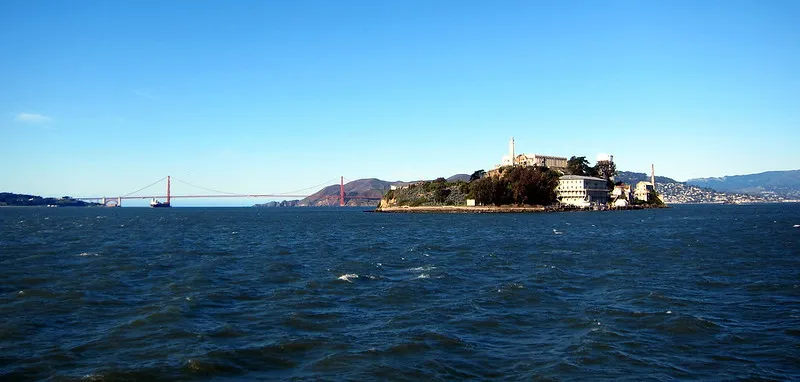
{"x": 103, "y": 97}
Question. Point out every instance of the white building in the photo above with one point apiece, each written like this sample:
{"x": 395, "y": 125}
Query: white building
{"x": 642, "y": 191}
{"x": 621, "y": 196}
{"x": 582, "y": 191}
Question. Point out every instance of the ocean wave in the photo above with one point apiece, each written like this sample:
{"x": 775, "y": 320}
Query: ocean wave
{"x": 349, "y": 277}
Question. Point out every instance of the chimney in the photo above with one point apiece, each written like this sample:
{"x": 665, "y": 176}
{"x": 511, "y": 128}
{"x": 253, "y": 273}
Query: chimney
{"x": 653, "y": 175}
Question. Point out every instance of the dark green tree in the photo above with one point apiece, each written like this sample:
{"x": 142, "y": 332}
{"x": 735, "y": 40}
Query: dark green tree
{"x": 578, "y": 166}
{"x": 532, "y": 185}
{"x": 483, "y": 190}
{"x": 477, "y": 175}
{"x": 605, "y": 169}
{"x": 440, "y": 195}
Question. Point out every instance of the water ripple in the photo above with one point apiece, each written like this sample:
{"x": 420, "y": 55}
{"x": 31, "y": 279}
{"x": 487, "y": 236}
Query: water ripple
{"x": 693, "y": 292}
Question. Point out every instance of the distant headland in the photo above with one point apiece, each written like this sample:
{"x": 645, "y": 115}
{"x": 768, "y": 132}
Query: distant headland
{"x": 8, "y": 199}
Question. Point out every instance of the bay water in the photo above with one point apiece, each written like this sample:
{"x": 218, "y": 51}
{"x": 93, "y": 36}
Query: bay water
{"x": 709, "y": 292}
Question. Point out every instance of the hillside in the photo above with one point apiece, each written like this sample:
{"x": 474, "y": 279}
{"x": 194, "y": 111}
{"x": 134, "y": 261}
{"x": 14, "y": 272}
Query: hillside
{"x": 780, "y": 183}
{"x": 354, "y": 191}
{"x": 11, "y": 199}
{"x": 629, "y": 177}
{"x": 457, "y": 177}
{"x": 673, "y": 191}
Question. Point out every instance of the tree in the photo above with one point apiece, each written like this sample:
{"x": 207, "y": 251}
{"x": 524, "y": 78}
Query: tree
{"x": 578, "y": 166}
{"x": 491, "y": 190}
{"x": 654, "y": 199}
{"x": 440, "y": 195}
{"x": 483, "y": 190}
{"x": 532, "y": 185}
{"x": 477, "y": 175}
{"x": 605, "y": 169}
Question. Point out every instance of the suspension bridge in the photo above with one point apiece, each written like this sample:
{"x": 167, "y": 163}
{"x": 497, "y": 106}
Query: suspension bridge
{"x": 165, "y": 200}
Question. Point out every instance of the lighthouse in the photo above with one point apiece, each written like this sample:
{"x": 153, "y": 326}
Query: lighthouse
{"x": 511, "y": 150}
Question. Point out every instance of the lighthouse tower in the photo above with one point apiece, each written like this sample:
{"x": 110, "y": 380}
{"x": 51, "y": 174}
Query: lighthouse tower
{"x": 511, "y": 150}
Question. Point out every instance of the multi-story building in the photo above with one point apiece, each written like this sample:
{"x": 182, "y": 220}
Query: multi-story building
{"x": 553, "y": 162}
{"x": 643, "y": 190}
{"x": 582, "y": 191}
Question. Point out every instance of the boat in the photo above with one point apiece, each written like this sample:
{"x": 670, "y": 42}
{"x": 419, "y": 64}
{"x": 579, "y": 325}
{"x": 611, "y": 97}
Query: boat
{"x": 155, "y": 203}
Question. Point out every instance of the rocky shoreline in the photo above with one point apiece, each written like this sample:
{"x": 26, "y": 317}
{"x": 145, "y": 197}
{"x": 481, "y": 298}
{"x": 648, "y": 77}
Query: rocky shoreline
{"x": 492, "y": 209}
{"x": 462, "y": 209}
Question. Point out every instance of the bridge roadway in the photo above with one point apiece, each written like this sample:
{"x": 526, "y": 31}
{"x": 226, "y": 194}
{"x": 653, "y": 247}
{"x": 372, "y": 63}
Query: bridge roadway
{"x": 224, "y": 196}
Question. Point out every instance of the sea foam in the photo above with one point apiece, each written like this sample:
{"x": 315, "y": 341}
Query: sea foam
{"x": 348, "y": 277}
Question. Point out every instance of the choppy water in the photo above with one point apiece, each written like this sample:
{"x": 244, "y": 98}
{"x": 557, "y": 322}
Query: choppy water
{"x": 692, "y": 292}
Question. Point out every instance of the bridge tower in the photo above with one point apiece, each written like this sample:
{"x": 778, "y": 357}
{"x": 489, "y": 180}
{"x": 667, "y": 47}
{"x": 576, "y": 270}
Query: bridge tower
{"x": 341, "y": 192}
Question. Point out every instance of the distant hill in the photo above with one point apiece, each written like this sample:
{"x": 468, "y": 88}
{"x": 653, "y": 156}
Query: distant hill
{"x": 684, "y": 192}
{"x": 370, "y": 188}
{"x": 11, "y": 199}
{"x": 361, "y": 192}
{"x": 629, "y": 177}
{"x": 782, "y": 183}
{"x": 457, "y": 177}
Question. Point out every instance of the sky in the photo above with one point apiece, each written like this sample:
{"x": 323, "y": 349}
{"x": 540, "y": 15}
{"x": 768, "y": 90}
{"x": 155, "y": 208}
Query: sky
{"x": 102, "y": 98}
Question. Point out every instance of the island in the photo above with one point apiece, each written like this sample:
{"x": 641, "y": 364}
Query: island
{"x": 525, "y": 188}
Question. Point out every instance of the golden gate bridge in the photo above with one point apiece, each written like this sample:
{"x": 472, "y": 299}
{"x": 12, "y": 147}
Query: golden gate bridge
{"x": 116, "y": 201}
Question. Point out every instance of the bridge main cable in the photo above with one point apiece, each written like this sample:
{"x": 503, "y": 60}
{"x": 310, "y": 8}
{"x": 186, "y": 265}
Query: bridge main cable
{"x": 145, "y": 187}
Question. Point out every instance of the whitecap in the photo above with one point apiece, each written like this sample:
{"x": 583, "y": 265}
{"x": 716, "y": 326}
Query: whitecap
{"x": 424, "y": 276}
{"x": 557, "y": 232}
{"x": 88, "y": 254}
{"x": 347, "y": 277}
{"x": 796, "y": 226}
